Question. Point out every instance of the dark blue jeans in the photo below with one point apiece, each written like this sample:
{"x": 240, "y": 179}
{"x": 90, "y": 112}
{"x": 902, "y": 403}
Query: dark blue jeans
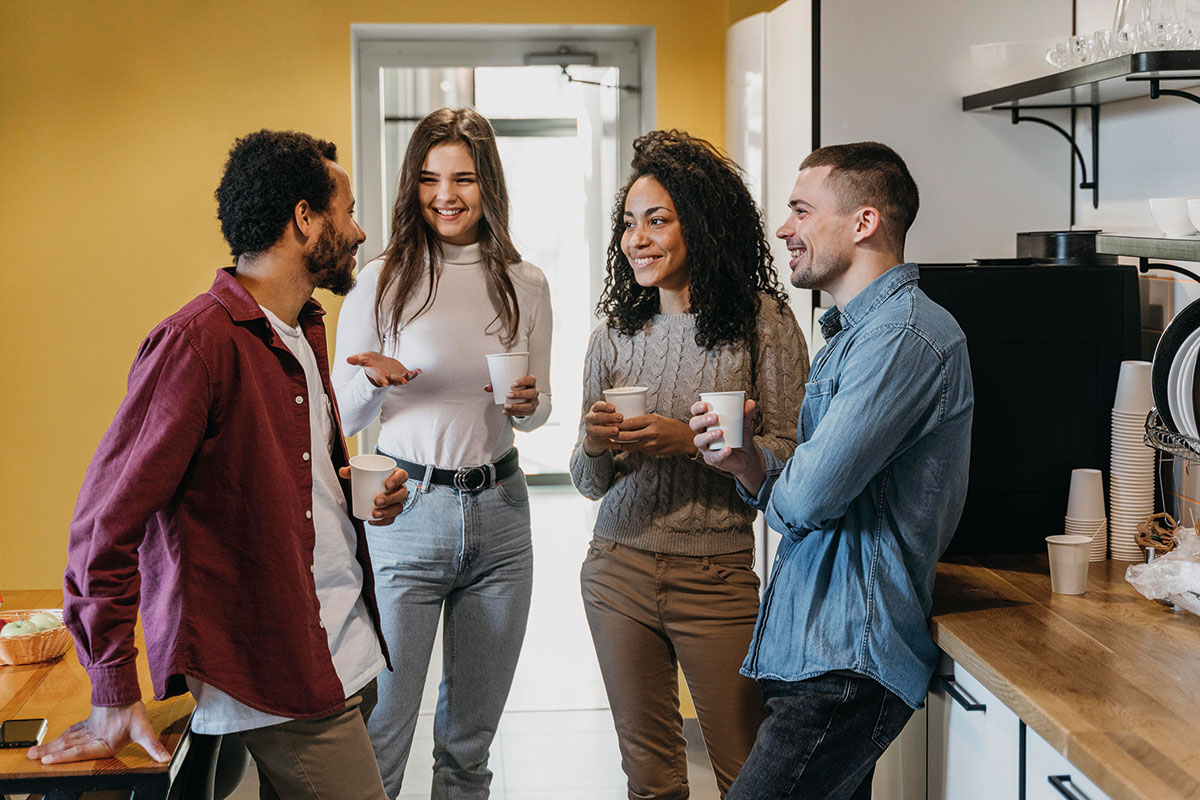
{"x": 820, "y": 740}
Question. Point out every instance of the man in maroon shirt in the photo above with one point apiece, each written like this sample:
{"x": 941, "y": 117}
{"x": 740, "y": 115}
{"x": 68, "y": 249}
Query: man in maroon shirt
{"x": 213, "y": 503}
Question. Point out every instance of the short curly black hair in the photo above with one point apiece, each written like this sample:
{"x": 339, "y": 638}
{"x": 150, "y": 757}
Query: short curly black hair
{"x": 727, "y": 252}
{"x": 267, "y": 174}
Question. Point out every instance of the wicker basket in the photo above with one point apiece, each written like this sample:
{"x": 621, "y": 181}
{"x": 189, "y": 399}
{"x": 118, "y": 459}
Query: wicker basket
{"x": 33, "y": 647}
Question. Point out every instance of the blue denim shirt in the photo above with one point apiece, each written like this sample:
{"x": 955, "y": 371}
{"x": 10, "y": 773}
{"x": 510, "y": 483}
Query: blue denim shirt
{"x": 871, "y": 496}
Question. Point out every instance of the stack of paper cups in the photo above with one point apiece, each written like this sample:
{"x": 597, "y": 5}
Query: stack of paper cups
{"x": 1085, "y": 511}
{"x": 1131, "y": 478}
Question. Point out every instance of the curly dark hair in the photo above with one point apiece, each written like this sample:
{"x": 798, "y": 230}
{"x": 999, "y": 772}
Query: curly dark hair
{"x": 267, "y": 174}
{"x": 728, "y": 257}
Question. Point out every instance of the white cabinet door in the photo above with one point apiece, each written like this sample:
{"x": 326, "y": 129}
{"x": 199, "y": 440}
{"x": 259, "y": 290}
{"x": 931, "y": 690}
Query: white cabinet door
{"x": 900, "y": 771}
{"x": 974, "y": 740}
{"x": 1049, "y": 776}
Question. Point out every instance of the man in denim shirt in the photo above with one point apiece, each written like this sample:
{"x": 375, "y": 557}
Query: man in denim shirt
{"x": 871, "y": 496}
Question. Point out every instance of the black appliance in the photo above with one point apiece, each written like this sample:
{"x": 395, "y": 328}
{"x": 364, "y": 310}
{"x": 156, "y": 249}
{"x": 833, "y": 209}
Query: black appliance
{"x": 1046, "y": 341}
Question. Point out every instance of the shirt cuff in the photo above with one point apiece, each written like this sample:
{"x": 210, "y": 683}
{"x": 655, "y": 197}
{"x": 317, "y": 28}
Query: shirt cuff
{"x": 115, "y": 685}
{"x": 774, "y": 468}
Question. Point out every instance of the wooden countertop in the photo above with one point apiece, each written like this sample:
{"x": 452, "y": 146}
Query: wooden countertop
{"x": 60, "y": 691}
{"x": 1110, "y": 679}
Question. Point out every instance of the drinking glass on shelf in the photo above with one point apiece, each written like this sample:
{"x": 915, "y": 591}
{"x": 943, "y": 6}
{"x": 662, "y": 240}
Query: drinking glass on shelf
{"x": 1059, "y": 56}
{"x": 1124, "y": 41}
{"x": 1081, "y": 50}
{"x": 1154, "y": 34}
{"x": 1102, "y": 44}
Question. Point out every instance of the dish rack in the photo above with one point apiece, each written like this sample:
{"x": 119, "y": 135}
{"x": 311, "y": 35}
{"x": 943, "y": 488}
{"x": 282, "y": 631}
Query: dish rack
{"x": 1162, "y": 438}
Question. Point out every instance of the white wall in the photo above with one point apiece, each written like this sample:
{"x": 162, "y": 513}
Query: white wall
{"x": 897, "y": 73}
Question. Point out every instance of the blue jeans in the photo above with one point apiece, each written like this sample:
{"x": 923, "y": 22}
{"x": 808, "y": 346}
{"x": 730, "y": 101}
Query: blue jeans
{"x": 821, "y": 739}
{"x": 469, "y": 556}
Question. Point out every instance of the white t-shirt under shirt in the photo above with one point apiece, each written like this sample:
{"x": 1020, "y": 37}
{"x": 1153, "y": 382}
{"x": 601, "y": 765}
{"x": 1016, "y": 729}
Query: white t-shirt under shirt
{"x": 443, "y": 417}
{"x": 357, "y": 657}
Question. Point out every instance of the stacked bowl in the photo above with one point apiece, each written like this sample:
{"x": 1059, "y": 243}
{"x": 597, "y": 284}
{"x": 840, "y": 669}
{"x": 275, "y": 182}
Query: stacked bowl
{"x": 1131, "y": 477}
{"x": 1085, "y": 511}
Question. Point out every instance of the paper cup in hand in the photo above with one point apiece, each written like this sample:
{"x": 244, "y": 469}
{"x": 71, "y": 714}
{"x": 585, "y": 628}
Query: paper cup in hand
{"x": 504, "y": 369}
{"x": 630, "y": 401}
{"x": 367, "y": 474}
{"x": 729, "y": 408}
{"x": 1068, "y": 563}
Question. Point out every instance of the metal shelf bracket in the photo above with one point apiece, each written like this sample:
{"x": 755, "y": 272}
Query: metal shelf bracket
{"x": 1156, "y": 90}
{"x": 1094, "y": 183}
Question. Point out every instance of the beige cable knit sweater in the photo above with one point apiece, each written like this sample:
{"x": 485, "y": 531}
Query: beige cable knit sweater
{"x": 679, "y": 505}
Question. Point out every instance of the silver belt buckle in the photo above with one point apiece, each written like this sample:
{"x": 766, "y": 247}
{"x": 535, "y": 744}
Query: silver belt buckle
{"x": 463, "y": 478}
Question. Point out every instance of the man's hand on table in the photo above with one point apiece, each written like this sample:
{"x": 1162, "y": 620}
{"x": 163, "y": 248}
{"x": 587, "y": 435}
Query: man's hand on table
{"x": 102, "y": 735}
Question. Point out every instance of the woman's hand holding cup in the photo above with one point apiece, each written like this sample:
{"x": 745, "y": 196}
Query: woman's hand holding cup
{"x": 600, "y": 428}
{"x": 522, "y": 398}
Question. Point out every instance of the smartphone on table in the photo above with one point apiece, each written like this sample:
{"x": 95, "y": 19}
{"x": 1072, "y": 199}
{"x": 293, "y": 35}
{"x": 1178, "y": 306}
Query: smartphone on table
{"x": 22, "y": 732}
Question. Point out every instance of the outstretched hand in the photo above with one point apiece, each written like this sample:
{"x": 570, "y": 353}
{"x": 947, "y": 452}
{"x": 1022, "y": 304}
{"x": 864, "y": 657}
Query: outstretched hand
{"x": 103, "y": 734}
{"x": 382, "y": 370}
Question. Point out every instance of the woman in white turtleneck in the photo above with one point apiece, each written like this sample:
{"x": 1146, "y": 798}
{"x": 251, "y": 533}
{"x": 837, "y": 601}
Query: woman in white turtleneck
{"x": 412, "y": 337}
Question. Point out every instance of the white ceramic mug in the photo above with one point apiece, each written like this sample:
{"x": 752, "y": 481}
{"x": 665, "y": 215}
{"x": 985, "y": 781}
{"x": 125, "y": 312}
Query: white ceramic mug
{"x": 1170, "y": 215}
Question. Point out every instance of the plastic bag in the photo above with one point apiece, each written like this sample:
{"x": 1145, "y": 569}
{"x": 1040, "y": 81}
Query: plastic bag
{"x": 1174, "y": 576}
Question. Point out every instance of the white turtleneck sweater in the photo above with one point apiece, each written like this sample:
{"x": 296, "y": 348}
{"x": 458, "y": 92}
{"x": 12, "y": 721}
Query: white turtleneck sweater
{"x": 443, "y": 416}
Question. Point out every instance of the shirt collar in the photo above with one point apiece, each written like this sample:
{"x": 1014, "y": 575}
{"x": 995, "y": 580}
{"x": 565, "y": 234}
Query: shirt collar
{"x": 870, "y": 298}
{"x": 242, "y": 306}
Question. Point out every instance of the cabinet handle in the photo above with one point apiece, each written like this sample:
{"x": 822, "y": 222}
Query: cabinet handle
{"x": 1066, "y": 788}
{"x": 951, "y": 686}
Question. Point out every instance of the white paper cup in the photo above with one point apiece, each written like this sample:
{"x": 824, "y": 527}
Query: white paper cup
{"x": 729, "y": 408}
{"x": 1170, "y": 215}
{"x": 1069, "y": 555}
{"x": 1086, "y": 498}
{"x": 367, "y": 474}
{"x": 1134, "y": 394}
{"x": 1193, "y": 206}
{"x": 504, "y": 369}
{"x": 630, "y": 401}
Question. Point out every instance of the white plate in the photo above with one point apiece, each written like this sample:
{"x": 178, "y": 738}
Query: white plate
{"x": 1179, "y": 383}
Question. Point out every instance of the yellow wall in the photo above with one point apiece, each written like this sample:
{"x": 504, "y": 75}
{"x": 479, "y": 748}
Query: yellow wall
{"x": 115, "y": 119}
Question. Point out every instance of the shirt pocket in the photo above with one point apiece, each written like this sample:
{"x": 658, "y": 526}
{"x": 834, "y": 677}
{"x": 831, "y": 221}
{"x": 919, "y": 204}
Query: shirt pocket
{"x": 817, "y": 395}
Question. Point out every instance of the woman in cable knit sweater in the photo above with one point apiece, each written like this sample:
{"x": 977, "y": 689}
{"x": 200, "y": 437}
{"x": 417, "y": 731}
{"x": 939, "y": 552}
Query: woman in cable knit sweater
{"x": 692, "y": 304}
{"x": 412, "y": 336}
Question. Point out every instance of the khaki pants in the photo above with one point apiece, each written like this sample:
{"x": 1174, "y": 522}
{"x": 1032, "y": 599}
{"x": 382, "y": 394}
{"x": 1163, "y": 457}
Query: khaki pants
{"x": 651, "y": 613}
{"x": 329, "y": 758}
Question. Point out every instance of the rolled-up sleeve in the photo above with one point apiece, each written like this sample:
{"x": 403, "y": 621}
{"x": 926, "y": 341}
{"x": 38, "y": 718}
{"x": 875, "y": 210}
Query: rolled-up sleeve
{"x": 890, "y": 391}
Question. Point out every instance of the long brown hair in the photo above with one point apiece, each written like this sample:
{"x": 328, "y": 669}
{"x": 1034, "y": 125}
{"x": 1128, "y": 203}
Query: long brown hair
{"x": 413, "y": 244}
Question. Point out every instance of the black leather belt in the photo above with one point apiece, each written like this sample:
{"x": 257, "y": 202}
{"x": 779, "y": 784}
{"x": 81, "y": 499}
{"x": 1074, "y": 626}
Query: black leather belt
{"x": 465, "y": 479}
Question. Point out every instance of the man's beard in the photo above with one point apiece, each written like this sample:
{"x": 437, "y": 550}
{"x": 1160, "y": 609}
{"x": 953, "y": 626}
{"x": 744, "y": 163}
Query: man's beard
{"x": 326, "y": 259}
{"x": 821, "y": 273}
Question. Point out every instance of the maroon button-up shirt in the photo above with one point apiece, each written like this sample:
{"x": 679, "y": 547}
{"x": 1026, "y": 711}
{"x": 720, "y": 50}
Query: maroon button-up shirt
{"x": 195, "y": 507}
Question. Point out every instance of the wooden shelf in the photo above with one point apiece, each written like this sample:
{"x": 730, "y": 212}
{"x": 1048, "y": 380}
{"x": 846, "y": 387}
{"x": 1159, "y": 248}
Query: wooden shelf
{"x": 1103, "y": 82}
{"x": 1149, "y": 246}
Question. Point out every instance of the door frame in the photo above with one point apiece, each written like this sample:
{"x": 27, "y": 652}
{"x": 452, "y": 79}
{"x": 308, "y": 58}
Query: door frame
{"x": 431, "y": 45}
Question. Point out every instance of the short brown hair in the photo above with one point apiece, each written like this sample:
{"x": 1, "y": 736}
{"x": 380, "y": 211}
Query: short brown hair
{"x": 871, "y": 174}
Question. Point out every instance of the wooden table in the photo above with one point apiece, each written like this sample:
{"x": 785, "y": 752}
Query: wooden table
{"x": 1108, "y": 678}
{"x": 60, "y": 691}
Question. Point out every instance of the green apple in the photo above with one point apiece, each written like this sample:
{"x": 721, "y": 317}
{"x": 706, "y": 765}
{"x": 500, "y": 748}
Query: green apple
{"x": 19, "y": 627}
{"x": 45, "y": 621}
